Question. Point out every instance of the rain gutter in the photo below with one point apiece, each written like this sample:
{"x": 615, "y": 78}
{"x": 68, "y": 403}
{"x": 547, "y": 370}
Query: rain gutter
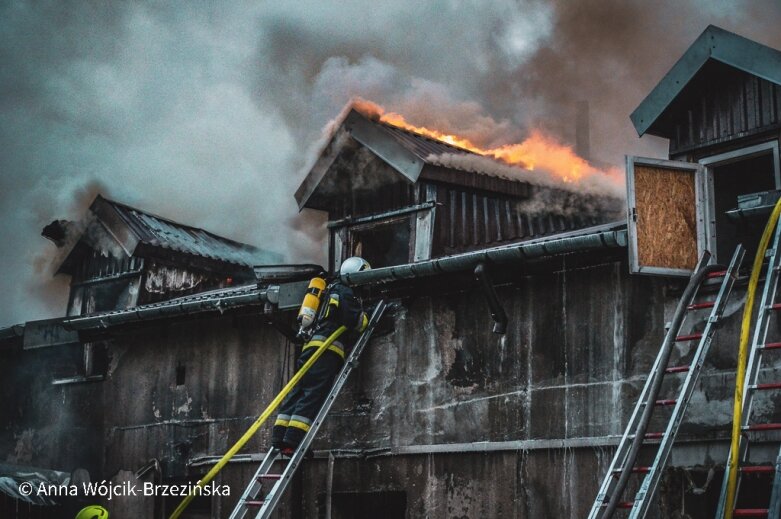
{"x": 163, "y": 310}
{"x": 608, "y": 236}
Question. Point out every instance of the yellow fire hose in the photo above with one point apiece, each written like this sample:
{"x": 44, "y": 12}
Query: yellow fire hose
{"x": 743, "y": 359}
{"x": 262, "y": 418}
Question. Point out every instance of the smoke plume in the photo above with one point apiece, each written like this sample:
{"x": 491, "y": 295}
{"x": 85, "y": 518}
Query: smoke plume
{"x": 206, "y": 112}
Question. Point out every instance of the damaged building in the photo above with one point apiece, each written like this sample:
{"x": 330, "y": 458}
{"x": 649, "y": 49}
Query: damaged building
{"x": 526, "y": 324}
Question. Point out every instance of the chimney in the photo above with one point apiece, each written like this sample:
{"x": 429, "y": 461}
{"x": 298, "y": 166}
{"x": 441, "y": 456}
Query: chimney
{"x": 582, "y": 131}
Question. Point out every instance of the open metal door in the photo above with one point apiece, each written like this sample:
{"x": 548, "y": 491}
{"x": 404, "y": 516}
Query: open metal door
{"x": 666, "y": 216}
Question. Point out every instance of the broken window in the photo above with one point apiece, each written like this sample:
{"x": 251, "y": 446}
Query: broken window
{"x": 86, "y": 362}
{"x": 382, "y": 244}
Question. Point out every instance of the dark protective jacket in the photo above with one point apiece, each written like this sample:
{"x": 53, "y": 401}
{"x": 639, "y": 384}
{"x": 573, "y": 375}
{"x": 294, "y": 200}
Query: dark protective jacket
{"x": 339, "y": 307}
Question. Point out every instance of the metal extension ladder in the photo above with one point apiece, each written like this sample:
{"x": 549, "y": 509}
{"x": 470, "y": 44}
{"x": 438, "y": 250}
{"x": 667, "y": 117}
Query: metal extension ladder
{"x": 253, "y": 498}
{"x": 642, "y": 500}
{"x": 759, "y": 346}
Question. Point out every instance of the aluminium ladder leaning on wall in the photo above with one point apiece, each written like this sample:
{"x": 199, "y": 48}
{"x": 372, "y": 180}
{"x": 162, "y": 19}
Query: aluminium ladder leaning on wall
{"x": 254, "y": 498}
{"x": 769, "y": 306}
{"x": 624, "y": 463}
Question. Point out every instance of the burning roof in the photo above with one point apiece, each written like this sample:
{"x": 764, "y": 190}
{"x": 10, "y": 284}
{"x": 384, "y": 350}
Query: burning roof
{"x": 417, "y": 153}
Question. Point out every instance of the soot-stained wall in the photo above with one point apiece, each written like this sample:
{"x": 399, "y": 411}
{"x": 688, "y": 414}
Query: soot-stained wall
{"x": 578, "y": 348}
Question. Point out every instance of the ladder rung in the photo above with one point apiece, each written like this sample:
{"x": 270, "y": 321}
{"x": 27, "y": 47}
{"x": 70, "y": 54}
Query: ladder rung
{"x": 762, "y": 427}
{"x": 759, "y": 469}
{"x": 270, "y": 476}
{"x": 654, "y": 435}
{"x": 677, "y": 369}
{"x": 764, "y": 387}
{"x": 700, "y": 306}
{"x": 635, "y": 470}
{"x": 622, "y": 504}
{"x": 671, "y": 401}
{"x": 691, "y": 337}
{"x": 771, "y": 346}
{"x": 717, "y": 274}
{"x": 776, "y": 306}
{"x": 750, "y": 512}
{"x": 254, "y": 503}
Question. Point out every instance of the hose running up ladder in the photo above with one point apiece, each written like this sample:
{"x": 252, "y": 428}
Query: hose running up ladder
{"x": 261, "y": 419}
{"x": 743, "y": 359}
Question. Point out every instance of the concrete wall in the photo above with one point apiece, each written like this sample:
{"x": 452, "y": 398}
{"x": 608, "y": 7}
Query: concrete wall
{"x": 578, "y": 348}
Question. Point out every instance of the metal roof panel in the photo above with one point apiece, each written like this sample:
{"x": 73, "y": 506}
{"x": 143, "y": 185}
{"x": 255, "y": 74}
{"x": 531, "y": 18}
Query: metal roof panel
{"x": 161, "y": 232}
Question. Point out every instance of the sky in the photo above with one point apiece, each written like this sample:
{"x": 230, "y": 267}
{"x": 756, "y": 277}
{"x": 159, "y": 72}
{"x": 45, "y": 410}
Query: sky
{"x": 210, "y": 112}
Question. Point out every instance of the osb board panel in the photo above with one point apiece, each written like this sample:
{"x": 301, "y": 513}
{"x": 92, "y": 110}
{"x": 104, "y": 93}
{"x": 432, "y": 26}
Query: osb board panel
{"x": 666, "y": 217}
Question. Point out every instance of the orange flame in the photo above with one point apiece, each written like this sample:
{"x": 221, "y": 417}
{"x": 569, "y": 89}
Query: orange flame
{"x": 538, "y": 151}
{"x": 398, "y": 120}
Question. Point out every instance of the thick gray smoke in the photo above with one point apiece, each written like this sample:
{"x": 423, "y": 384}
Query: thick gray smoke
{"x": 205, "y": 112}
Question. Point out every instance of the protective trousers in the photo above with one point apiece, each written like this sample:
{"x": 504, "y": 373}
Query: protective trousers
{"x": 302, "y": 404}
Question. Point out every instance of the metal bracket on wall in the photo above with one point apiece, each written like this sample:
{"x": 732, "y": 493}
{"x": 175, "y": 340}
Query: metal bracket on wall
{"x": 497, "y": 311}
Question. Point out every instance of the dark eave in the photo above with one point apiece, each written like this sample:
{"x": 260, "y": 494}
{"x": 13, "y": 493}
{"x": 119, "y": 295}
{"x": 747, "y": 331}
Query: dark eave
{"x": 713, "y": 44}
{"x": 476, "y": 181}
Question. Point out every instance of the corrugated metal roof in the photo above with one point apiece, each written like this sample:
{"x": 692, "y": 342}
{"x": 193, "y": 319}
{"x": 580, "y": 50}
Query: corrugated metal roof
{"x": 421, "y": 145}
{"x": 161, "y": 232}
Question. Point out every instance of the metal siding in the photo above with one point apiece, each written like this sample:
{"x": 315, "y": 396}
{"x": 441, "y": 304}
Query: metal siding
{"x": 467, "y": 220}
{"x": 713, "y": 46}
{"x": 721, "y": 105}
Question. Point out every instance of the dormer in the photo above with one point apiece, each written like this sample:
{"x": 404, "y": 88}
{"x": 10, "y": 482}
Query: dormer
{"x": 394, "y": 196}
{"x": 120, "y": 257}
{"x": 720, "y": 108}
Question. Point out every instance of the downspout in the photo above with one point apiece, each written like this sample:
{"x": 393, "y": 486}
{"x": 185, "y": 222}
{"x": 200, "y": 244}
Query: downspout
{"x": 497, "y": 312}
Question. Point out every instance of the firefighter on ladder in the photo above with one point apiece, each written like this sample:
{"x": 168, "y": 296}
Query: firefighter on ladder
{"x": 340, "y": 308}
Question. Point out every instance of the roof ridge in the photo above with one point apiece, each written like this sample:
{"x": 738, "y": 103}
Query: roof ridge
{"x": 423, "y": 136}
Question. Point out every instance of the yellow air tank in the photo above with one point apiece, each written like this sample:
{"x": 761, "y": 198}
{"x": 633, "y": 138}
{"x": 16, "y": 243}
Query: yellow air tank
{"x": 306, "y": 316}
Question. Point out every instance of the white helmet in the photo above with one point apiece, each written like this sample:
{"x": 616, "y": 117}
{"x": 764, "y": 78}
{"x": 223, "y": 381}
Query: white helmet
{"x": 352, "y": 265}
